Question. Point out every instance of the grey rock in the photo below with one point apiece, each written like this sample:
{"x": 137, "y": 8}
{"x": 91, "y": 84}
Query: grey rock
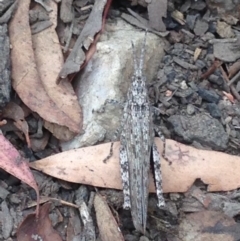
{"x": 143, "y": 238}
{"x": 5, "y": 80}
{"x": 191, "y": 19}
{"x": 215, "y": 79}
{"x": 3, "y": 193}
{"x": 200, "y": 64}
{"x": 108, "y": 76}
{"x": 6, "y": 220}
{"x": 131, "y": 237}
{"x": 214, "y": 110}
{"x": 201, "y": 128}
{"x": 227, "y": 52}
{"x": 208, "y": 95}
{"x": 198, "y": 5}
{"x": 190, "y": 109}
{"x": 201, "y": 27}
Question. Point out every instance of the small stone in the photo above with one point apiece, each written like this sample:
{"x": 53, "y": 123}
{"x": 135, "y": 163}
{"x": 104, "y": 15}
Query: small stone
{"x": 208, "y": 95}
{"x": 201, "y": 27}
{"x": 190, "y": 109}
{"x": 235, "y": 121}
{"x": 14, "y": 198}
{"x": 224, "y": 30}
{"x": 212, "y": 28}
{"x": 175, "y": 37}
{"x": 227, "y": 52}
{"x": 167, "y": 59}
{"x": 238, "y": 86}
{"x": 191, "y": 19}
{"x": 233, "y": 133}
{"x": 201, "y": 128}
{"x": 3, "y": 193}
{"x": 200, "y": 64}
{"x": 207, "y": 36}
{"x": 198, "y": 5}
{"x": 130, "y": 237}
{"x": 215, "y": 79}
{"x": 228, "y": 120}
{"x": 183, "y": 85}
{"x": 6, "y": 221}
{"x": 143, "y": 238}
{"x": 214, "y": 110}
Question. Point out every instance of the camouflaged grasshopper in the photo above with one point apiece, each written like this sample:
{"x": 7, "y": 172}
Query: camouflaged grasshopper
{"x": 137, "y": 145}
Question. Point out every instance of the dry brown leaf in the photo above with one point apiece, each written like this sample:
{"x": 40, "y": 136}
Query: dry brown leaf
{"x": 85, "y": 165}
{"x": 26, "y": 79}
{"x": 108, "y": 228}
{"x": 208, "y": 225}
{"x": 12, "y": 162}
{"x": 15, "y": 112}
{"x": 39, "y": 144}
{"x": 23, "y": 126}
{"x": 47, "y": 50}
{"x": 229, "y": 96}
{"x": 40, "y": 228}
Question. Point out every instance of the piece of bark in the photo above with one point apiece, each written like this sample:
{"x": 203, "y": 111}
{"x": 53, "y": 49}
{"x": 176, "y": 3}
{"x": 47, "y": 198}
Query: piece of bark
{"x": 157, "y": 9}
{"x": 77, "y": 56}
{"x": 66, "y": 13}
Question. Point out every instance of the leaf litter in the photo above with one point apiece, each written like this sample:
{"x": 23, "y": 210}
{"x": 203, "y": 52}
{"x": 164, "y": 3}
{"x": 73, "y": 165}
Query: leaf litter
{"x": 38, "y": 89}
{"x": 59, "y": 108}
{"x": 12, "y": 162}
{"x": 38, "y": 229}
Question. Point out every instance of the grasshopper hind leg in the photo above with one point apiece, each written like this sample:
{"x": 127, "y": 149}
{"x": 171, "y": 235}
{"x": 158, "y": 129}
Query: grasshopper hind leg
{"x": 125, "y": 178}
{"x": 158, "y": 176}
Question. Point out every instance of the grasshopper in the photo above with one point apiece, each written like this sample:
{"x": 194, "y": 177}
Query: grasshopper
{"x": 137, "y": 145}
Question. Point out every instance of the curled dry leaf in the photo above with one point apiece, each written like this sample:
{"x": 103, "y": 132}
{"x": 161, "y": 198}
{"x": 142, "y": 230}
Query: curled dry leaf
{"x": 229, "y": 96}
{"x": 85, "y": 165}
{"x": 34, "y": 92}
{"x": 16, "y": 113}
{"x": 108, "y": 228}
{"x": 47, "y": 50}
{"x": 13, "y": 163}
{"x": 39, "y": 144}
{"x": 40, "y": 228}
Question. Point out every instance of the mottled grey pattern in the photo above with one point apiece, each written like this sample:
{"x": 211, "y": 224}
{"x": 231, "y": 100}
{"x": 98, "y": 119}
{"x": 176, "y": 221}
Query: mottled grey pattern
{"x": 137, "y": 142}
